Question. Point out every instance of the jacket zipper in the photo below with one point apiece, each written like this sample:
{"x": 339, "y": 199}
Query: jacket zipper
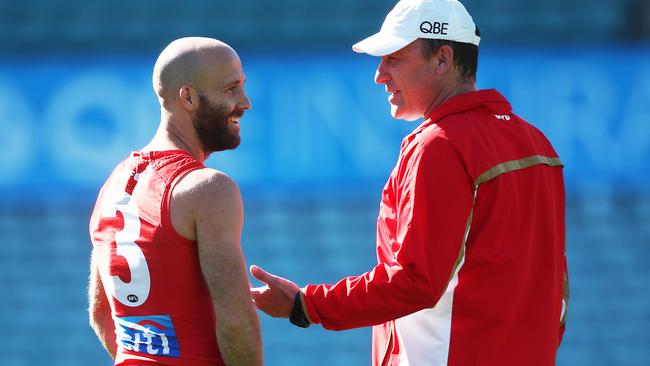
{"x": 389, "y": 347}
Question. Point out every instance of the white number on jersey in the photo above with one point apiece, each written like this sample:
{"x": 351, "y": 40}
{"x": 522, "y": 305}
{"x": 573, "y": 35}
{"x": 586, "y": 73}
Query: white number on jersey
{"x": 135, "y": 292}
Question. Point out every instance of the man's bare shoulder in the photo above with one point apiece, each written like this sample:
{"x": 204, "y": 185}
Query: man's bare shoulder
{"x": 205, "y": 196}
{"x": 207, "y": 187}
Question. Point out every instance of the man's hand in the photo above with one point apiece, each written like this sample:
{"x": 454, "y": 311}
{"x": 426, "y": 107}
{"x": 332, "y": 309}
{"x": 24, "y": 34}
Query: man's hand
{"x": 277, "y": 297}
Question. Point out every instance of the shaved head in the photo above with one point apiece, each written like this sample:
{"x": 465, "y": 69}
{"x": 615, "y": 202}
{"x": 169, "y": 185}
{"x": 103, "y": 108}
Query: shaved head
{"x": 193, "y": 61}
{"x": 200, "y": 86}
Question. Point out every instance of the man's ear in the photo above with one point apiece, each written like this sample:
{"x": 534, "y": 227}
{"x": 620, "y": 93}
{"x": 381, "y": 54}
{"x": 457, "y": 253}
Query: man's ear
{"x": 188, "y": 97}
{"x": 444, "y": 60}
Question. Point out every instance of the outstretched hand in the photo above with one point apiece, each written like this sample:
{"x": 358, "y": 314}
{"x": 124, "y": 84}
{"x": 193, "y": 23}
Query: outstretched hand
{"x": 276, "y": 297}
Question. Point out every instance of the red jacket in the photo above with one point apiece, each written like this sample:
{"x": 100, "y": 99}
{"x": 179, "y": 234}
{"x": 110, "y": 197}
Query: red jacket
{"x": 470, "y": 246}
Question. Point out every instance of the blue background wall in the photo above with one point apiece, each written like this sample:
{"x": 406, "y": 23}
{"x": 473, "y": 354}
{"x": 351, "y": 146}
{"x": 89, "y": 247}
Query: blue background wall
{"x": 75, "y": 98}
{"x": 319, "y": 118}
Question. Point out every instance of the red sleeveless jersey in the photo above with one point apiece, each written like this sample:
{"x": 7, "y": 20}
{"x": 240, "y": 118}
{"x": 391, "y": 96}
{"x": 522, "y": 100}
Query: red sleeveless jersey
{"x": 159, "y": 300}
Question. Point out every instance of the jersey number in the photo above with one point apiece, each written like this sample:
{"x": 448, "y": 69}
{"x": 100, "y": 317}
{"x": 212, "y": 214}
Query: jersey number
{"x": 135, "y": 292}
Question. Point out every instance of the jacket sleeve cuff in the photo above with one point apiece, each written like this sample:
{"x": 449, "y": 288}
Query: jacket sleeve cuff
{"x": 310, "y": 310}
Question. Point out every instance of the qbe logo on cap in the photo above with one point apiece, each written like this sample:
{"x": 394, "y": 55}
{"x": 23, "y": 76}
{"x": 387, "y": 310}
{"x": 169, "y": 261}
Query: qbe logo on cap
{"x": 153, "y": 335}
{"x": 434, "y": 28}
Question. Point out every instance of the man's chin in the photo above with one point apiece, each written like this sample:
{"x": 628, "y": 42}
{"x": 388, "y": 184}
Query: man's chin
{"x": 397, "y": 114}
{"x": 394, "y": 112}
{"x": 231, "y": 146}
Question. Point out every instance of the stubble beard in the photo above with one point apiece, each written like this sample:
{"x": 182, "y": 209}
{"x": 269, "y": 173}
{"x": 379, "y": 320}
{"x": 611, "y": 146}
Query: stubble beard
{"x": 212, "y": 126}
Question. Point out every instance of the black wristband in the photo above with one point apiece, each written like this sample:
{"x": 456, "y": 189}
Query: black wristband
{"x": 297, "y": 316}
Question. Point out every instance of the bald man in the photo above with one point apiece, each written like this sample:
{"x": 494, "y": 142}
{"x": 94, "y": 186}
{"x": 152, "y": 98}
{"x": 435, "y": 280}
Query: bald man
{"x": 168, "y": 282}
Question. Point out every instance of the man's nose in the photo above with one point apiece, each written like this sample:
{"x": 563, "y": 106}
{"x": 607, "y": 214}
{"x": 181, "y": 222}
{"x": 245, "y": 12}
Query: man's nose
{"x": 245, "y": 103}
{"x": 381, "y": 75}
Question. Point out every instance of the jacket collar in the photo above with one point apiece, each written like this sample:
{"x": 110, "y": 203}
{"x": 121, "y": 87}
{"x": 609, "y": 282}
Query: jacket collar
{"x": 488, "y": 98}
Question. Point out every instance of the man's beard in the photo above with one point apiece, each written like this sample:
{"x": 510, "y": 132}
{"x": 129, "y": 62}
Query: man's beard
{"x": 211, "y": 123}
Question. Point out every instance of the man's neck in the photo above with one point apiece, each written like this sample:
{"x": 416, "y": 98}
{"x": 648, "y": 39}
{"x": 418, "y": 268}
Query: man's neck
{"x": 445, "y": 94}
{"x": 170, "y": 137}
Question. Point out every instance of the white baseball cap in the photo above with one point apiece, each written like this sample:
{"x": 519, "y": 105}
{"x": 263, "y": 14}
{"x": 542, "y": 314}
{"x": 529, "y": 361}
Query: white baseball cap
{"x": 413, "y": 19}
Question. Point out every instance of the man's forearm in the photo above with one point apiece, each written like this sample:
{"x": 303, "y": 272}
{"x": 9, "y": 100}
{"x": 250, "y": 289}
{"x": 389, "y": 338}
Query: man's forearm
{"x": 240, "y": 343}
{"x": 103, "y": 325}
{"x": 99, "y": 311}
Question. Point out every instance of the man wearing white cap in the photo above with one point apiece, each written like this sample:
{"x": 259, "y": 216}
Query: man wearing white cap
{"x": 470, "y": 235}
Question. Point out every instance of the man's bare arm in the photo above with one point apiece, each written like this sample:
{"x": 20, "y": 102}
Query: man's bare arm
{"x": 99, "y": 310}
{"x": 218, "y": 217}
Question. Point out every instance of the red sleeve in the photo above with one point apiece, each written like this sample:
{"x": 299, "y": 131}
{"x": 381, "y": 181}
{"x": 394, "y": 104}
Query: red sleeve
{"x": 565, "y": 303}
{"x": 433, "y": 197}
